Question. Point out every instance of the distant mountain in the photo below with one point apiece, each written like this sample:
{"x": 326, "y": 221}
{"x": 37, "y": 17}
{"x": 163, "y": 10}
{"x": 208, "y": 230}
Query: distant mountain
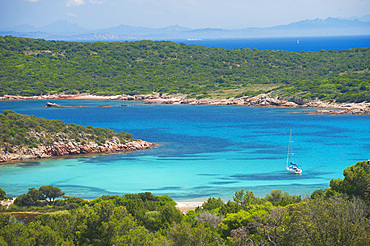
{"x": 318, "y": 27}
{"x": 363, "y": 18}
{"x": 63, "y": 27}
{"x": 64, "y": 30}
{"x": 24, "y": 28}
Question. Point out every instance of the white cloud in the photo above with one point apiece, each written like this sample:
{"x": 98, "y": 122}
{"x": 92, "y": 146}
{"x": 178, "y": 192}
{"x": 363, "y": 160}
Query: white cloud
{"x": 33, "y": 1}
{"x": 97, "y": 1}
{"x": 71, "y": 3}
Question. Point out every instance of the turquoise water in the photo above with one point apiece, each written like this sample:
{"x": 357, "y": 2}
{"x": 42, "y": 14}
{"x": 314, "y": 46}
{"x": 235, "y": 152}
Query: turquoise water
{"x": 202, "y": 151}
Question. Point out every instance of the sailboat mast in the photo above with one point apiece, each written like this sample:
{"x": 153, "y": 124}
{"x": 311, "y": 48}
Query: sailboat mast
{"x": 291, "y": 151}
{"x": 289, "y": 146}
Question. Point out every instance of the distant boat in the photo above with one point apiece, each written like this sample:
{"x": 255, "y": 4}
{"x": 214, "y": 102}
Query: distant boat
{"x": 297, "y": 41}
{"x": 291, "y": 167}
{"x": 49, "y": 104}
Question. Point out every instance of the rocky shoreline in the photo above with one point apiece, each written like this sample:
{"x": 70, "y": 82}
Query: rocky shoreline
{"x": 262, "y": 100}
{"x": 354, "y": 111}
{"x": 72, "y": 148}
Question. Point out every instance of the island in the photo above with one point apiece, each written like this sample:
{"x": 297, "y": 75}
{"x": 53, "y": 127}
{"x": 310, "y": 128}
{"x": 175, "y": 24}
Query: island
{"x": 24, "y": 137}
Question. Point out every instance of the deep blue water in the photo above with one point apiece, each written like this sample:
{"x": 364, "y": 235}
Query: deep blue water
{"x": 296, "y": 44}
{"x": 202, "y": 151}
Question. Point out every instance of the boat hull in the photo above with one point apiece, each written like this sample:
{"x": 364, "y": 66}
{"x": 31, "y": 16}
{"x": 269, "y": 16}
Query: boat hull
{"x": 294, "y": 171}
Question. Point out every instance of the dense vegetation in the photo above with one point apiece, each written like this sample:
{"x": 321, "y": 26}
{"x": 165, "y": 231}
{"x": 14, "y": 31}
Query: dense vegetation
{"x": 33, "y": 67}
{"x": 338, "y": 215}
{"x": 25, "y": 130}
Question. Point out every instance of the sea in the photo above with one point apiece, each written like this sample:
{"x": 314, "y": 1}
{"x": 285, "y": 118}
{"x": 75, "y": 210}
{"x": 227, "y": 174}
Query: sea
{"x": 203, "y": 151}
{"x": 296, "y": 44}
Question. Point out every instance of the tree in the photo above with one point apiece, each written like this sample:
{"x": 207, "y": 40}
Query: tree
{"x": 246, "y": 218}
{"x": 169, "y": 215}
{"x": 278, "y": 198}
{"x": 333, "y": 221}
{"x": 212, "y": 203}
{"x": 152, "y": 220}
{"x": 230, "y": 207}
{"x": 24, "y": 200}
{"x": 6, "y": 219}
{"x": 245, "y": 199}
{"x": 356, "y": 181}
{"x": 29, "y": 199}
{"x": 275, "y": 196}
{"x": 16, "y": 234}
{"x": 44, "y": 235}
{"x": 50, "y": 192}
{"x": 35, "y": 194}
{"x": 184, "y": 234}
{"x": 107, "y": 224}
{"x": 211, "y": 218}
{"x": 2, "y": 195}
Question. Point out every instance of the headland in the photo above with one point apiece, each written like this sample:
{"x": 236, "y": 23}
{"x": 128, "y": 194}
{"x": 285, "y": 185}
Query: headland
{"x": 25, "y": 137}
{"x": 21, "y": 153}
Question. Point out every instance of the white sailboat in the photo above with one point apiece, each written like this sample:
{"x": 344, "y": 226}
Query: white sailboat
{"x": 291, "y": 167}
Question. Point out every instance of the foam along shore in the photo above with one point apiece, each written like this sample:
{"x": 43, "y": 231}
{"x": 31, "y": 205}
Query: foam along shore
{"x": 72, "y": 148}
{"x": 262, "y": 100}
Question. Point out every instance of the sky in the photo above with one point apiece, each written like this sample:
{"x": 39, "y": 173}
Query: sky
{"x": 227, "y": 14}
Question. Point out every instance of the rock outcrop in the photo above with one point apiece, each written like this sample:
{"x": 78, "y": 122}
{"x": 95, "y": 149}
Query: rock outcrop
{"x": 262, "y": 100}
{"x": 354, "y": 111}
{"x": 72, "y": 148}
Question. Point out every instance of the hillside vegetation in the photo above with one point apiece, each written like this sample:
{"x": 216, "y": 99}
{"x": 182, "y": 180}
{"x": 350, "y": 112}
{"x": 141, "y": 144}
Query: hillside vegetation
{"x": 31, "y": 131}
{"x": 33, "y": 67}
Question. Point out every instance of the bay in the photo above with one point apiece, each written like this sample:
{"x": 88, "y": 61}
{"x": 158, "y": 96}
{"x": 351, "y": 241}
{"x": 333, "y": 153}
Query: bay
{"x": 296, "y": 44}
{"x": 202, "y": 150}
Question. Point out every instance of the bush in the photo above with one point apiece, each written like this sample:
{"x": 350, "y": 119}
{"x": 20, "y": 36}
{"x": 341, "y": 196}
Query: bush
{"x": 2, "y": 195}
{"x": 24, "y": 200}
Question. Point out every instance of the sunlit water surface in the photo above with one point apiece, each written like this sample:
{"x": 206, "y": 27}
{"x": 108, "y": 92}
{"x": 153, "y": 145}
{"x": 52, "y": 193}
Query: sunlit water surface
{"x": 202, "y": 151}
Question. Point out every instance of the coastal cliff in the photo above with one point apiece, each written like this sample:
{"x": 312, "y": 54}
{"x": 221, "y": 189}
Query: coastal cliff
{"x": 24, "y": 137}
{"x": 19, "y": 153}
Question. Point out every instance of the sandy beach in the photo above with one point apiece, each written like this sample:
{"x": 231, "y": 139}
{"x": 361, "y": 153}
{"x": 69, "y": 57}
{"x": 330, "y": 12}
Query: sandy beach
{"x": 185, "y": 207}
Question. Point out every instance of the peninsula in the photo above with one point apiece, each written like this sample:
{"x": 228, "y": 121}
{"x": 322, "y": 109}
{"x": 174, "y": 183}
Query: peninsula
{"x": 24, "y": 137}
{"x": 34, "y": 67}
